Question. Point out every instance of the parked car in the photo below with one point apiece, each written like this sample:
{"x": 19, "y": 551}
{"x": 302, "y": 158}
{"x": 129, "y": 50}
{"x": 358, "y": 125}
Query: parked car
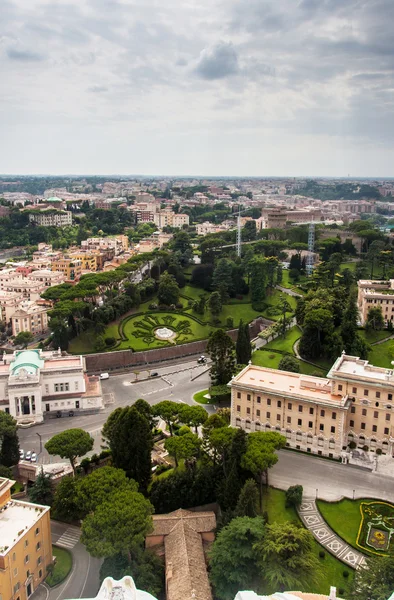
{"x": 28, "y": 455}
{"x": 154, "y": 374}
{"x": 33, "y": 457}
{"x": 104, "y": 376}
{"x": 202, "y": 360}
{"x": 21, "y": 454}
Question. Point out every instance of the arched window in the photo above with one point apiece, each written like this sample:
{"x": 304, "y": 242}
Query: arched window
{"x": 320, "y": 441}
{"x": 247, "y": 424}
{"x": 309, "y": 439}
{"x": 288, "y": 433}
{"x": 258, "y": 426}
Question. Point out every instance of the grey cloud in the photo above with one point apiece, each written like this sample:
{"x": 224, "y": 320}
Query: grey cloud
{"x": 218, "y": 62}
{"x": 24, "y": 55}
{"x": 98, "y": 89}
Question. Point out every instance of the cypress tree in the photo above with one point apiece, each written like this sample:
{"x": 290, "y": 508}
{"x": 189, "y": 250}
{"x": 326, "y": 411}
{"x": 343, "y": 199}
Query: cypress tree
{"x": 243, "y": 347}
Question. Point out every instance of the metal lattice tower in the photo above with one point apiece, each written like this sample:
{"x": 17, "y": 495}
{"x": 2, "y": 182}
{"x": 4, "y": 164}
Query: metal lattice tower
{"x": 239, "y": 239}
{"x": 311, "y": 248}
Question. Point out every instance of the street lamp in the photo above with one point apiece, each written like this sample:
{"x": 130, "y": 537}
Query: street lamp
{"x": 317, "y": 492}
{"x": 353, "y": 494}
{"x": 39, "y": 435}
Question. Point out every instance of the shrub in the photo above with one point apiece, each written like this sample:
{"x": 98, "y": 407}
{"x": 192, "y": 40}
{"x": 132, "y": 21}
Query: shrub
{"x": 289, "y": 363}
{"x": 95, "y": 459}
{"x": 105, "y": 453}
{"x": 259, "y": 306}
{"x": 341, "y": 591}
{"x": 378, "y": 451}
{"x": 216, "y": 321}
{"x": 110, "y": 341}
{"x": 162, "y": 469}
{"x": 352, "y": 445}
{"x": 153, "y": 306}
{"x": 230, "y": 322}
{"x": 219, "y": 393}
{"x": 322, "y": 554}
{"x": 294, "y": 496}
{"x": 346, "y": 574}
{"x": 85, "y": 464}
{"x": 365, "y": 448}
{"x": 163, "y": 307}
{"x": 179, "y": 305}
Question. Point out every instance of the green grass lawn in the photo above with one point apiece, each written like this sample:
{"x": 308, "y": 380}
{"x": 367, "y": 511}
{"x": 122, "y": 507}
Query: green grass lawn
{"x": 374, "y": 336}
{"x": 192, "y": 292}
{"x": 380, "y": 355}
{"x": 64, "y": 563}
{"x": 84, "y": 343}
{"x": 332, "y": 569}
{"x": 288, "y": 283}
{"x": 198, "y": 331}
{"x": 199, "y": 397}
{"x": 265, "y": 358}
{"x": 285, "y": 344}
{"x": 344, "y": 518}
{"x": 348, "y": 265}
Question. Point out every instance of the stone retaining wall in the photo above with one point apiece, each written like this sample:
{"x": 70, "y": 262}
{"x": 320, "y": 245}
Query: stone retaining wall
{"x": 125, "y": 359}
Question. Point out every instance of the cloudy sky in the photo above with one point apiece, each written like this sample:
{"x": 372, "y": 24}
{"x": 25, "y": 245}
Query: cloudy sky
{"x": 214, "y": 87}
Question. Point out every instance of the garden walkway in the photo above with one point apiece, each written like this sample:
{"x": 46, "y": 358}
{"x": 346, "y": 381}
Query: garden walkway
{"x": 313, "y": 520}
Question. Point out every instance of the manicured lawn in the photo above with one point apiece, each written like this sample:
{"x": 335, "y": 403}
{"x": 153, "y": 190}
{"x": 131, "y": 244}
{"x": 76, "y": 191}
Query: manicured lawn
{"x": 285, "y": 344}
{"x": 380, "y": 355}
{"x": 374, "y": 336}
{"x": 238, "y": 312}
{"x": 265, "y": 358}
{"x": 64, "y": 563}
{"x": 348, "y": 265}
{"x": 344, "y": 518}
{"x": 84, "y": 343}
{"x": 331, "y": 568}
{"x": 193, "y": 293}
{"x": 287, "y": 282}
{"x": 273, "y": 300}
{"x": 199, "y": 397}
{"x": 130, "y": 328}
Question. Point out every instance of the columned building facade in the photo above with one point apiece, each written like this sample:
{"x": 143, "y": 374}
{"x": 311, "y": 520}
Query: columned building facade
{"x": 33, "y": 382}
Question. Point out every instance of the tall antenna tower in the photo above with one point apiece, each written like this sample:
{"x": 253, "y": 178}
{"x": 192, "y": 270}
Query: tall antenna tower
{"x": 239, "y": 240}
{"x": 311, "y": 248}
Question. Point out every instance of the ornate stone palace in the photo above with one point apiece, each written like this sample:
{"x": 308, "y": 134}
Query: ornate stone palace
{"x": 355, "y": 402}
{"x": 33, "y": 382}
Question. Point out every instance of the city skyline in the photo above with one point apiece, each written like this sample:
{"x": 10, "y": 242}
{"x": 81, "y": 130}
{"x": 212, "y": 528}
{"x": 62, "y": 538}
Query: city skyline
{"x": 217, "y": 88}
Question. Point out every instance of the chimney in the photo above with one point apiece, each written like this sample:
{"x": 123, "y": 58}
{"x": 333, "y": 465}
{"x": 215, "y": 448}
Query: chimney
{"x": 333, "y": 593}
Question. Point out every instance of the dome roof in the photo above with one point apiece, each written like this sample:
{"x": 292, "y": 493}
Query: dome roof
{"x": 54, "y": 199}
{"x": 27, "y": 359}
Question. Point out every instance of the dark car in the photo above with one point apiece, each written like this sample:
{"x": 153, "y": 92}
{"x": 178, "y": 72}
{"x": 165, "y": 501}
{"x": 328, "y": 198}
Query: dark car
{"x": 154, "y": 374}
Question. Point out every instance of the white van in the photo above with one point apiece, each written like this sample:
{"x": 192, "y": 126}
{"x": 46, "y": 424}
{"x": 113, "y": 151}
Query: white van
{"x": 104, "y": 376}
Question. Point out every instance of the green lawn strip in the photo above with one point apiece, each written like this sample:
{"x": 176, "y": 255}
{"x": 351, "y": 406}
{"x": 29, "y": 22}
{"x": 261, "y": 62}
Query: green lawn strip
{"x": 237, "y": 312}
{"x": 271, "y": 359}
{"x": 193, "y": 293}
{"x": 84, "y": 343}
{"x": 380, "y": 355}
{"x": 199, "y": 397}
{"x": 273, "y": 299}
{"x": 374, "y": 336}
{"x": 285, "y": 344}
{"x": 64, "y": 563}
{"x": 287, "y": 282}
{"x": 348, "y": 265}
{"x": 331, "y": 568}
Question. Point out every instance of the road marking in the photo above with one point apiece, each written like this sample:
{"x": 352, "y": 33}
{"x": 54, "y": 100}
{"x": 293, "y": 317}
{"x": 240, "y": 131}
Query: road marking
{"x": 68, "y": 539}
{"x": 86, "y": 577}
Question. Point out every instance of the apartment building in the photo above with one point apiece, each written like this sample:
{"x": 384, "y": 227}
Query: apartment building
{"x": 315, "y": 414}
{"x": 165, "y": 218}
{"x": 25, "y": 545}
{"x": 88, "y": 259}
{"x": 71, "y": 268}
{"x": 375, "y": 294}
{"x": 118, "y": 243}
{"x": 30, "y": 316}
{"x": 33, "y": 382}
{"x": 49, "y": 217}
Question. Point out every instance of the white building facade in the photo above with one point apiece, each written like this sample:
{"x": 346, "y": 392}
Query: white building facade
{"x": 33, "y": 382}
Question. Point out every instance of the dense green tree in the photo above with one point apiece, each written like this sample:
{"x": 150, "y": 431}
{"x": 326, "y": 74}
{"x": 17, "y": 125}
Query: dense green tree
{"x": 248, "y": 500}
{"x": 249, "y": 231}
{"x": 202, "y": 276}
{"x": 215, "y": 303}
{"x": 233, "y": 557}
{"x": 376, "y": 581}
{"x": 70, "y": 444}
{"x": 145, "y": 409}
{"x": 168, "y": 291}
{"x": 289, "y": 363}
{"x": 168, "y": 411}
{"x": 375, "y": 319}
{"x": 9, "y": 443}
{"x": 183, "y": 446}
{"x": 286, "y": 556}
{"x": 41, "y": 492}
{"x": 66, "y": 506}
{"x": 374, "y": 253}
{"x": 96, "y": 488}
{"x": 130, "y": 441}
{"x": 261, "y": 455}
{"x": 243, "y": 347}
{"x": 23, "y": 338}
{"x": 258, "y": 281}
{"x": 294, "y": 496}
{"x": 221, "y": 349}
{"x": 146, "y": 568}
{"x": 222, "y": 280}
{"x": 118, "y": 525}
{"x": 193, "y": 416}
